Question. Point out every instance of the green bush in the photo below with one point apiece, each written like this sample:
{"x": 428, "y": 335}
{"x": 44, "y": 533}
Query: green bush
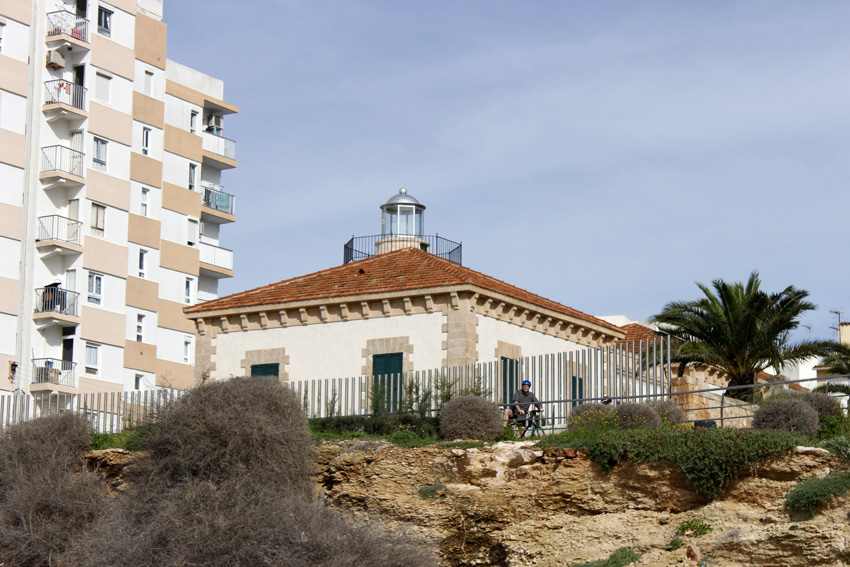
{"x": 620, "y": 558}
{"x": 592, "y": 418}
{"x": 637, "y": 416}
{"x": 669, "y": 412}
{"x": 131, "y": 439}
{"x": 811, "y": 495}
{"x": 833, "y": 426}
{"x": 709, "y": 458}
{"x": 838, "y": 446}
{"x": 384, "y": 424}
{"x": 693, "y": 527}
{"x": 471, "y": 417}
{"x": 786, "y": 414}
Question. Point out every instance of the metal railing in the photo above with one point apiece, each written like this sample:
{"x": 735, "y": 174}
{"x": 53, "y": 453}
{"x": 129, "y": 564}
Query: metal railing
{"x": 219, "y": 145}
{"x": 60, "y": 158}
{"x": 54, "y": 371}
{"x": 63, "y": 22}
{"x": 55, "y": 227}
{"x": 65, "y": 92}
{"x": 54, "y": 299}
{"x": 217, "y": 199}
{"x": 362, "y": 247}
{"x": 221, "y": 257}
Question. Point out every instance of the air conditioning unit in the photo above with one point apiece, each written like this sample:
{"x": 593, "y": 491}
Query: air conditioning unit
{"x": 55, "y": 60}
{"x": 215, "y": 122}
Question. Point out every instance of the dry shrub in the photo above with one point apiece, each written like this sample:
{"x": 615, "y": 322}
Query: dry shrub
{"x": 233, "y": 429}
{"x": 471, "y": 417}
{"x": 787, "y": 414}
{"x": 47, "y": 498}
{"x": 824, "y": 404}
{"x": 669, "y": 412}
{"x": 637, "y": 416}
{"x": 592, "y": 416}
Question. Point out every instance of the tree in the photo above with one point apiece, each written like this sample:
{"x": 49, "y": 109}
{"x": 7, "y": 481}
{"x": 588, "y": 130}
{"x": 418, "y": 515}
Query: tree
{"x": 740, "y": 330}
{"x": 837, "y": 361}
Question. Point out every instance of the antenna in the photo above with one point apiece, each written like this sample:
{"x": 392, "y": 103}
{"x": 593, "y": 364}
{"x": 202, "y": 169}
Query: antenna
{"x": 809, "y": 327}
{"x": 838, "y": 312}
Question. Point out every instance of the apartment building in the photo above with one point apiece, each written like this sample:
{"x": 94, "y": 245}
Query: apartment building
{"x": 111, "y": 200}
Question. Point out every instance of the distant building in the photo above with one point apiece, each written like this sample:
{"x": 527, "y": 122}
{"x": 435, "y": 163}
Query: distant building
{"x": 111, "y": 162}
{"x": 402, "y": 302}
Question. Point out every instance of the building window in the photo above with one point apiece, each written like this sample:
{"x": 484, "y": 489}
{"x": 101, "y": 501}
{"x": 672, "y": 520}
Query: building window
{"x": 187, "y": 350}
{"x": 148, "y": 85}
{"x": 140, "y": 328}
{"x": 104, "y": 21}
{"x": 193, "y": 122}
{"x": 2, "y": 29}
{"x": 146, "y": 141}
{"x": 138, "y": 382}
{"x": 98, "y": 219}
{"x": 193, "y": 169}
{"x": 92, "y": 358}
{"x": 258, "y": 370}
{"x": 143, "y": 260}
{"x": 102, "y": 87}
{"x": 95, "y": 288}
{"x": 577, "y": 391}
{"x": 145, "y": 202}
{"x": 99, "y": 158}
{"x": 188, "y": 291}
{"x": 192, "y": 233}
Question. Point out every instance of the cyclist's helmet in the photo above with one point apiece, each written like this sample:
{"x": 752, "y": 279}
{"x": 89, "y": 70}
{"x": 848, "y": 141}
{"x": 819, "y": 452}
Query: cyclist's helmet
{"x": 526, "y": 383}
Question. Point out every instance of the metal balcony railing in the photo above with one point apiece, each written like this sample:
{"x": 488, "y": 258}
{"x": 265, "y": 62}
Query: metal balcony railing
{"x": 54, "y": 371}
{"x": 63, "y": 22}
{"x": 221, "y": 257}
{"x": 65, "y": 92}
{"x": 217, "y": 199}
{"x": 54, "y": 299}
{"x": 219, "y": 145}
{"x": 60, "y": 158}
{"x": 55, "y": 227}
{"x": 361, "y": 247}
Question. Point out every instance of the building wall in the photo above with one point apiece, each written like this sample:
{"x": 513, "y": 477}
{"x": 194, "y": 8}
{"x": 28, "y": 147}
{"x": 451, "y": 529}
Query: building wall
{"x": 492, "y": 332}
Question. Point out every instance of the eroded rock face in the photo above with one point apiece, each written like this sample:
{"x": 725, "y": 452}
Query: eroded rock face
{"x": 514, "y": 504}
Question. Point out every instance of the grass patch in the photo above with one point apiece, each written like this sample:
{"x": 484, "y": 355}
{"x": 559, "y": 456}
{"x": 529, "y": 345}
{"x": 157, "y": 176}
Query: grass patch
{"x": 709, "y": 458}
{"x": 432, "y": 490}
{"x": 674, "y": 544}
{"x": 131, "y": 439}
{"x": 620, "y": 558}
{"x": 810, "y": 496}
{"x": 695, "y": 528}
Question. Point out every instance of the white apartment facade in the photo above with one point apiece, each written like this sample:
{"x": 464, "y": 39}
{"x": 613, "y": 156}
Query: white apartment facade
{"x": 111, "y": 200}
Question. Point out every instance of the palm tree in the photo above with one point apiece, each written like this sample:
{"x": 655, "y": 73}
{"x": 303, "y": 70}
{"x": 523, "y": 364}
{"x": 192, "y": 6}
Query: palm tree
{"x": 740, "y": 330}
{"x": 837, "y": 361}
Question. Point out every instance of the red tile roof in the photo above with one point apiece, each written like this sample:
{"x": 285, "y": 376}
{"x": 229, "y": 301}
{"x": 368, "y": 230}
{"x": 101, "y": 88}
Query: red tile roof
{"x": 637, "y": 332}
{"x": 408, "y": 269}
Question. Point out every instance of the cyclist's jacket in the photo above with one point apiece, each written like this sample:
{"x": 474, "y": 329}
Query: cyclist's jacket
{"x": 524, "y": 401}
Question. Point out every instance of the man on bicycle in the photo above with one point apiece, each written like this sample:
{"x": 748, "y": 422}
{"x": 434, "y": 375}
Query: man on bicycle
{"x": 522, "y": 400}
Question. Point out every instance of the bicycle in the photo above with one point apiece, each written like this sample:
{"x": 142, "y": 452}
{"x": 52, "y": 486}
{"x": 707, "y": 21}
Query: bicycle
{"x": 531, "y": 425}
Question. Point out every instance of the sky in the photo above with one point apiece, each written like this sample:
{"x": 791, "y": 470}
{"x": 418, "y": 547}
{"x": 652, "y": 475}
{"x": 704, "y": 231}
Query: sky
{"x": 606, "y": 155}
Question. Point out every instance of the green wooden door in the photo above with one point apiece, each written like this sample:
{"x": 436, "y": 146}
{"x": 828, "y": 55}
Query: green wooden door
{"x": 386, "y": 371}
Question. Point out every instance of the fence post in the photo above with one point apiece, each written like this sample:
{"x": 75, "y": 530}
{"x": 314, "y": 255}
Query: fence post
{"x": 722, "y": 403}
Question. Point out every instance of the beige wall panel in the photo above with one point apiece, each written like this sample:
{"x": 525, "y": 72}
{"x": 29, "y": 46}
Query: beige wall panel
{"x": 148, "y": 110}
{"x": 13, "y": 148}
{"x": 10, "y": 293}
{"x": 105, "y": 257}
{"x": 18, "y": 10}
{"x": 93, "y": 385}
{"x": 150, "y": 41}
{"x": 175, "y": 375}
{"x": 180, "y": 200}
{"x": 112, "y": 57}
{"x": 107, "y": 189}
{"x": 145, "y": 170}
{"x": 140, "y": 356}
{"x": 171, "y": 316}
{"x": 144, "y": 231}
{"x": 183, "y": 143}
{"x": 129, "y": 6}
{"x": 178, "y": 257}
{"x": 185, "y": 93}
{"x": 15, "y": 75}
{"x": 12, "y": 225}
{"x": 103, "y": 327}
{"x": 143, "y": 294}
{"x": 109, "y": 123}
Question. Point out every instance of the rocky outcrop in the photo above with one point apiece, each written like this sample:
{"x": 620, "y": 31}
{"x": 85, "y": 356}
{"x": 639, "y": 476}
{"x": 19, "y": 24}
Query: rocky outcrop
{"x": 515, "y": 504}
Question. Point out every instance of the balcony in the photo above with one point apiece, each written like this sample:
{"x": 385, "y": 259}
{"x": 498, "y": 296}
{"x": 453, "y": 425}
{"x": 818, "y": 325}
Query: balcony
{"x": 219, "y": 206}
{"x": 59, "y": 235}
{"x": 56, "y": 306}
{"x": 220, "y": 152}
{"x": 361, "y": 247}
{"x": 65, "y": 28}
{"x": 216, "y": 262}
{"x": 52, "y": 374}
{"x": 64, "y": 100}
{"x": 62, "y": 166}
